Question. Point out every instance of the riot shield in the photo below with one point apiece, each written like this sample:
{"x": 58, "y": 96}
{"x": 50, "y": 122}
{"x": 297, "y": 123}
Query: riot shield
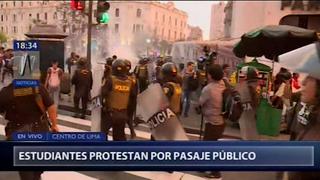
{"x": 152, "y": 107}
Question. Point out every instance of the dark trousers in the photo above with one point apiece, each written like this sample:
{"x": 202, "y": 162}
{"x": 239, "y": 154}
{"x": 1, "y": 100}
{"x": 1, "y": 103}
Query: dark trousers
{"x": 186, "y": 101}
{"x": 118, "y": 121}
{"x": 84, "y": 102}
{"x": 105, "y": 122}
{"x": 213, "y": 132}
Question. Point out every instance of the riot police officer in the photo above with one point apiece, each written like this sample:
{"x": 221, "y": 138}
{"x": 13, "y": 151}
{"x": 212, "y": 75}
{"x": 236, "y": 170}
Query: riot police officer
{"x": 142, "y": 74}
{"x": 131, "y": 111}
{"x": 171, "y": 86}
{"x": 25, "y": 109}
{"x": 159, "y": 63}
{"x": 82, "y": 79}
{"x": 118, "y": 94}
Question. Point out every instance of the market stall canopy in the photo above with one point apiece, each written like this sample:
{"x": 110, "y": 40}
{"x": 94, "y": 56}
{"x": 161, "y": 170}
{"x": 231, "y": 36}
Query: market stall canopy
{"x": 273, "y": 40}
{"x": 256, "y": 64}
{"x": 303, "y": 60}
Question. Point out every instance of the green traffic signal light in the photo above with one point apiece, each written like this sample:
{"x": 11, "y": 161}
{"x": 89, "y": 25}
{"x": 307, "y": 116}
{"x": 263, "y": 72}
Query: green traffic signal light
{"x": 105, "y": 18}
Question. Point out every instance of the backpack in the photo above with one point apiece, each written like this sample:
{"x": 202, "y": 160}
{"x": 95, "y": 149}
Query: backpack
{"x": 54, "y": 79}
{"x": 65, "y": 86}
{"x": 232, "y": 106}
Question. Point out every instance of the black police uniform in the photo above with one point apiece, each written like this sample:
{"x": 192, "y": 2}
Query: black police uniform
{"x": 82, "y": 79}
{"x": 141, "y": 72}
{"x": 172, "y": 87}
{"x": 24, "y": 115}
{"x": 118, "y": 94}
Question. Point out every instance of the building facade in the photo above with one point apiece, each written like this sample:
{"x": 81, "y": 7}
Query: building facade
{"x": 18, "y": 17}
{"x": 243, "y": 16}
{"x": 194, "y": 33}
{"x": 217, "y": 21}
{"x": 154, "y": 20}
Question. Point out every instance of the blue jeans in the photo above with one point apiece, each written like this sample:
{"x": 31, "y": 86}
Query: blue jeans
{"x": 186, "y": 101}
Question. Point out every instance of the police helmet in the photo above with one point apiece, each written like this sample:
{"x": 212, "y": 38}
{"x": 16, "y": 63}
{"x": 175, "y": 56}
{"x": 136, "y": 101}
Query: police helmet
{"x": 160, "y": 62}
{"x": 119, "y": 67}
{"x": 251, "y": 73}
{"x": 169, "y": 69}
{"x": 128, "y": 65}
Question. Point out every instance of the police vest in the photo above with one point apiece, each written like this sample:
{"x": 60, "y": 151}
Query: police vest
{"x": 175, "y": 100}
{"x": 120, "y": 94}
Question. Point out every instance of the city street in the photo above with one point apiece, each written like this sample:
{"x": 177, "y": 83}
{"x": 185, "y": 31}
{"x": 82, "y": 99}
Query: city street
{"x": 67, "y": 123}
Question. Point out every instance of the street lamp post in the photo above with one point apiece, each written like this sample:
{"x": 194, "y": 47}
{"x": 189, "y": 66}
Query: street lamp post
{"x": 148, "y": 43}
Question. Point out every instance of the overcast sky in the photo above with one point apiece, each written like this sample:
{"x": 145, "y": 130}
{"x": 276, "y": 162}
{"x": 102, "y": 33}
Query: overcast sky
{"x": 199, "y": 14}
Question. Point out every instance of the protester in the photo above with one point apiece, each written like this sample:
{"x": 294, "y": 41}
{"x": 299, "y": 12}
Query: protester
{"x": 211, "y": 101}
{"x": 226, "y": 73}
{"x": 304, "y": 120}
{"x": 53, "y": 81}
{"x": 249, "y": 99}
{"x": 7, "y": 64}
{"x": 190, "y": 84}
{"x": 72, "y": 62}
{"x": 82, "y": 79}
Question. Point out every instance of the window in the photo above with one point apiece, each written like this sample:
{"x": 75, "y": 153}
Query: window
{"x": 181, "y": 23}
{"x": 15, "y": 29}
{"x": 176, "y": 22}
{"x": 175, "y": 35}
{"x": 6, "y": 4}
{"x": 139, "y": 12}
{"x": 22, "y": 16}
{"x": 45, "y": 16}
{"x": 6, "y": 17}
{"x": 30, "y": 3}
{"x": 2, "y": 29}
{"x": 180, "y": 35}
{"x": 55, "y": 16}
{"x": 1, "y": 5}
{"x": 14, "y": 18}
{"x": 169, "y": 19}
{"x": 156, "y": 15}
{"x": 14, "y": 3}
{"x": 38, "y": 16}
{"x": 21, "y": 3}
{"x": 155, "y": 32}
{"x": 163, "y": 18}
{"x": 134, "y": 28}
{"x": 1, "y": 18}
{"x": 117, "y": 12}
{"x": 169, "y": 33}
{"x": 137, "y": 27}
{"x": 116, "y": 28}
{"x": 30, "y": 16}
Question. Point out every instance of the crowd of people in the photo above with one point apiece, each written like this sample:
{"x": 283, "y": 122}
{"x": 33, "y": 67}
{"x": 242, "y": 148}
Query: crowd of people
{"x": 121, "y": 84}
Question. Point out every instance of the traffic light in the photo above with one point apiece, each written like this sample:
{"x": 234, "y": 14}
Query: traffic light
{"x": 102, "y": 12}
{"x": 78, "y": 5}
